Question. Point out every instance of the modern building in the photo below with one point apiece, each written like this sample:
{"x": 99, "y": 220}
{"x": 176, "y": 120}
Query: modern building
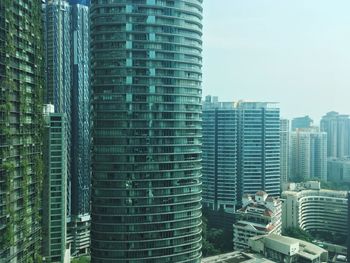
{"x": 241, "y": 150}
{"x": 67, "y": 87}
{"x": 315, "y": 210}
{"x": 146, "y": 163}
{"x": 237, "y": 257}
{"x": 286, "y": 249}
{"x": 55, "y": 188}
{"x": 258, "y": 148}
{"x": 21, "y": 130}
{"x": 302, "y": 123}
{"x": 57, "y": 36}
{"x": 79, "y": 225}
{"x": 284, "y": 152}
{"x": 308, "y": 154}
{"x": 261, "y": 214}
{"x": 220, "y": 152}
{"x": 337, "y": 127}
{"x": 338, "y": 170}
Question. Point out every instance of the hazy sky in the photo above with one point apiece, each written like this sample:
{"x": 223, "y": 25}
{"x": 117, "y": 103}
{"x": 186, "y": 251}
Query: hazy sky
{"x": 296, "y": 52}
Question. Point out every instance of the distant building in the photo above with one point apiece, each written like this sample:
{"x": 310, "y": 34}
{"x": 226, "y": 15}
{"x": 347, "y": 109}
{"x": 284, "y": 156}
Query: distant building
{"x": 301, "y": 123}
{"x": 66, "y": 25}
{"x": 315, "y": 210}
{"x": 284, "y": 152}
{"x": 308, "y": 154}
{"x": 286, "y": 249}
{"x": 241, "y": 150}
{"x": 220, "y": 151}
{"x": 261, "y": 214}
{"x": 79, "y": 225}
{"x": 338, "y": 170}
{"x": 258, "y": 148}
{"x": 57, "y": 36}
{"x": 55, "y": 188}
{"x": 337, "y": 127}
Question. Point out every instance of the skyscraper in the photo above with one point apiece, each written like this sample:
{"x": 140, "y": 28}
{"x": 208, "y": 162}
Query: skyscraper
{"x": 21, "y": 130}
{"x": 55, "y": 188}
{"x": 220, "y": 131}
{"x": 241, "y": 151}
{"x": 67, "y": 87}
{"x": 284, "y": 155}
{"x": 146, "y": 84}
{"x": 81, "y": 135}
{"x": 337, "y": 127}
{"x": 258, "y": 148}
{"x": 301, "y": 123}
{"x": 57, "y": 21}
{"x": 308, "y": 154}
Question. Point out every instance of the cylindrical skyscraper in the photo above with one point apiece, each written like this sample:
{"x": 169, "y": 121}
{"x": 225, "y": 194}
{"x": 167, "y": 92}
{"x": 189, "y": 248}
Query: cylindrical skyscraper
{"x": 146, "y": 165}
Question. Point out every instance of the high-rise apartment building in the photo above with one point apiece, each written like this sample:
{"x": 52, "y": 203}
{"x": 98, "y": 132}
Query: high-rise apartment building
{"x": 57, "y": 22}
{"x": 258, "y": 148}
{"x": 79, "y": 225}
{"x": 260, "y": 214}
{"x": 146, "y": 165}
{"x": 220, "y": 146}
{"x": 21, "y": 130}
{"x": 241, "y": 151}
{"x": 55, "y": 188}
{"x": 301, "y": 123}
{"x": 308, "y": 154}
{"x": 337, "y": 127}
{"x": 67, "y": 88}
{"x": 284, "y": 152}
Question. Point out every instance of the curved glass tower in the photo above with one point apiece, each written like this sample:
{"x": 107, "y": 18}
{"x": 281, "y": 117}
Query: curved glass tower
{"x": 146, "y": 165}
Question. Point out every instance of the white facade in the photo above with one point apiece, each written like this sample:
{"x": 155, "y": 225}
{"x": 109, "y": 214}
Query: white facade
{"x": 259, "y": 215}
{"x": 287, "y": 249}
{"x": 311, "y": 208}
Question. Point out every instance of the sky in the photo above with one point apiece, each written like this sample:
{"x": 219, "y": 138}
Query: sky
{"x": 295, "y": 52}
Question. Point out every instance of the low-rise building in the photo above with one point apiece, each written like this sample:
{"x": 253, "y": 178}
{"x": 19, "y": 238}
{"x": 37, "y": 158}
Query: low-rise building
{"x": 237, "y": 257}
{"x": 286, "y": 249}
{"x": 315, "y": 210}
{"x": 261, "y": 214}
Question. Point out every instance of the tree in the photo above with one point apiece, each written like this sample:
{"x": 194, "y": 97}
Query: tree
{"x": 81, "y": 260}
{"x": 208, "y": 248}
{"x": 298, "y": 233}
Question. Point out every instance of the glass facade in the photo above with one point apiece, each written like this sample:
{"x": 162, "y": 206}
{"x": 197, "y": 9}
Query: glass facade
{"x": 55, "y": 189}
{"x": 81, "y": 134}
{"x": 241, "y": 151}
{"x": 258, "y": 148}
{"x": 57, "y": 21}
{"x": 21, "y": 130}
{"x": 146, "y": 165}
{"x": 220, "y": 131}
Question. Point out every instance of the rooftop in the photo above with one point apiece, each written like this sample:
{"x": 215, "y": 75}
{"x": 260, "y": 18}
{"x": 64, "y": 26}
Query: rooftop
{"x": 306, "y": 249}
{"x": 236, "y": 257}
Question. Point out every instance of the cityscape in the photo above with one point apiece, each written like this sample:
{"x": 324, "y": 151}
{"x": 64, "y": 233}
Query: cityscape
{"x": 113, "y": 148}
